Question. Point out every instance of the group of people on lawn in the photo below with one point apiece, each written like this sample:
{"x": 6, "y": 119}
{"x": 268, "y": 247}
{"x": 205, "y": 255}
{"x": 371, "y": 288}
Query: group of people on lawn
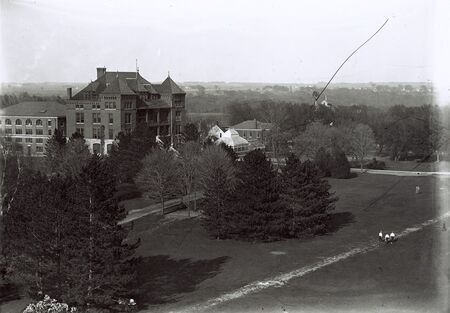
{"x": 388, "y": 238}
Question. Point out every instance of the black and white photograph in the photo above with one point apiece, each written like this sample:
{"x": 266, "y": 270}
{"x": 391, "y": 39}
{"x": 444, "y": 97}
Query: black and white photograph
{"x": 170, "y": 156}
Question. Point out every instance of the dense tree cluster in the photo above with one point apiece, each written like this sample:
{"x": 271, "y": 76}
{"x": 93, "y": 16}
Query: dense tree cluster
{"x": 60, "y": 232}
{"x": 250, "y": 200}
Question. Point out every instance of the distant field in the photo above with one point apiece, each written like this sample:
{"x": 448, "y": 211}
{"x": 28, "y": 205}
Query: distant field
{"x": 184, "y": 267}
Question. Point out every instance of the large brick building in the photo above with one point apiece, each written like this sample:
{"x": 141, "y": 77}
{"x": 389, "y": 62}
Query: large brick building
{"x": 29, "y": 124}
{"x": 117, "y": 101}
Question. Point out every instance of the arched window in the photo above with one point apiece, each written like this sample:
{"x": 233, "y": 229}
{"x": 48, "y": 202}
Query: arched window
{"x": 28, "y": 122}
{"x": 8, "y": 121}
{"x": 38, "y": 123}
{"x": 18, "y": 122}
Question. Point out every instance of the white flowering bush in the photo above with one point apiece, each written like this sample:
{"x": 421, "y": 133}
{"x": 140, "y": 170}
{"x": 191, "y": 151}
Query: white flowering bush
{"x": 49, "y": 305}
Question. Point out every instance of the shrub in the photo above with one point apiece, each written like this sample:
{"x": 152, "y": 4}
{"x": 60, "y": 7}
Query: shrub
{"x": 340, "y": 167}
{"x": 48, "y": 305}
{"x": 127, "y": 191}
{"x": 375, "y": 165}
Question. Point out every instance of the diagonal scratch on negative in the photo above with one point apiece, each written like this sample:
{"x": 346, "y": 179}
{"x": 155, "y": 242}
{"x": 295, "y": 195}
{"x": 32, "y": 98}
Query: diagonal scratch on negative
{"x": 281, "y": 280}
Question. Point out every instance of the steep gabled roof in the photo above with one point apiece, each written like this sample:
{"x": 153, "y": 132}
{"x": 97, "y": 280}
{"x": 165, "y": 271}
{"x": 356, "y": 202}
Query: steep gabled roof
{"x": 35, "y": 108}
{"x": 127, "y": 83}
{"x": 252, "y": 124}
{"x": 118, "y": 86}
{"x": 168, "y": 86}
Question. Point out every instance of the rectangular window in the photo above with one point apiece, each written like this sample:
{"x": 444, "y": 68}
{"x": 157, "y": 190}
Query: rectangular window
{"x": 39, "y": 131}
{"x": 128, "y": 105}
{"x": 18, "y": 139}
{"x": 110, "y": 105}
{"x": 8, "y": 131}
{"x": 49, "y": 132}
{"x": 111, "y": 118}
{"x": 178, "y": 116}
{"x": 39, "y": 149}
{"x": 258, "y": 134}
{"x": 80, "y": 118}
{"x": 110, "y": 133}
{"x": 79, "y": 106}
{"x": 39, "y": 140}
{"x": 127, "y": 118}
{"x": 177, "y": 129}
{"x": 96, "y": 106}
{"x": 29, "y": 140}
{"x": 49, "y": 123}
{"x": 29, "y": 131}
{"x": 96, "y": 118}
{"x": 80, "y": 130}
{"x": 96, "y": 132}
{"x": 18, "y": 131}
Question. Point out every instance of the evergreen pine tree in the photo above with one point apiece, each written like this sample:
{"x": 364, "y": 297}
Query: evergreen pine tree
{"x": 323, "y": 161}
{"x": 64, "y": 237}
{"x": 54, "y": 151}
{"x": 218, "y": 180}
{"x": 340, "y": 165}
{"x": 100, "y": 261}
{"x": 307, "y": 196}
{"x": 35, "y": 229}
{"x": 258, "y": 212}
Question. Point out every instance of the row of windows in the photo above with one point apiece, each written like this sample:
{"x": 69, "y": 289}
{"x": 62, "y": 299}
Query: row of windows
{"x": 238, "y": 149}
{"x": 96, "y": 147}
{"x": 96, "y": 105}
{"x": 28, "y": 122}
{"x": 26, "y": 140}
{"x": 96, "y": 132}
{"x": 251, "y": 134}
{"x": 96, "y": 118}
{"x": 28, "y": 131}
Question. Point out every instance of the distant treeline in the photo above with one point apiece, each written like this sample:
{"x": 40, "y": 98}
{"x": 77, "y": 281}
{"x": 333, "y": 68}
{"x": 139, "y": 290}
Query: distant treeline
{"x": 7, "y": 100}
{"x": 378, "y": 96}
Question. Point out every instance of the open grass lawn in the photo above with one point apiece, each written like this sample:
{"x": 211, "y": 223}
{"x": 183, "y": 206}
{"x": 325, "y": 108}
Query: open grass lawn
{"x": 182, "y": 266}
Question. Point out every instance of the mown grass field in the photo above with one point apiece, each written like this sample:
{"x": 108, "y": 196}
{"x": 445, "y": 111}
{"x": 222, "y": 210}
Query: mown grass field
{"x": 183, "y": 266}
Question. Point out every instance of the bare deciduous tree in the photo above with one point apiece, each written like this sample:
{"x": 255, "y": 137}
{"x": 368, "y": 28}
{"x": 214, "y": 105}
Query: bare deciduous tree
{"x": 362, "y": 142}
{"x": 159, "y": 177}
{"x": 189, "y": 170}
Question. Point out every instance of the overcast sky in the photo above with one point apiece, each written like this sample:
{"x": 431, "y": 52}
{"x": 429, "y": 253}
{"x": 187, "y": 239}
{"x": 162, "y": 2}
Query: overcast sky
{"x": 243, "y": 41}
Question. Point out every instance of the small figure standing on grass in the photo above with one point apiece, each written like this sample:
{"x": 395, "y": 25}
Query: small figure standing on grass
{"x": 392, "y": 237}
{"x": 417, "y": 189}
{"x": 386, "y": 238}
{"x": 380, "y": 235}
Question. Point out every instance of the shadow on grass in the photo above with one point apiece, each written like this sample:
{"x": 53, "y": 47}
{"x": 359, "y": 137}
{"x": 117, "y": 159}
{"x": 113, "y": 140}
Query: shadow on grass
{"x": 9, "y": 292}
{"x": 337, "y": 221}
{"x": 164, "y": 280}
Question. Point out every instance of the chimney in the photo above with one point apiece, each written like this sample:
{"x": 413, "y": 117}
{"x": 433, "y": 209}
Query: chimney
{"x": 69, "y": 93}
{"x": 101, "y": 71}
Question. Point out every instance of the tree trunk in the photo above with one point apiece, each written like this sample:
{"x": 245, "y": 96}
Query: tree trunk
{"x": 162, "y": 204}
